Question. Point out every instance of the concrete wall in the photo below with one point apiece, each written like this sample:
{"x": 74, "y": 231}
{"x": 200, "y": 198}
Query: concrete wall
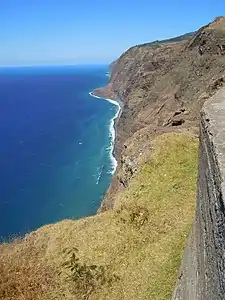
{"x": 202, "y": 273}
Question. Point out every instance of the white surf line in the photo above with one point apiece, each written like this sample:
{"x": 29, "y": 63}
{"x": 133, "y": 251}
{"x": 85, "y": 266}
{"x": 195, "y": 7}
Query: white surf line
{"x": 111, "y": 130}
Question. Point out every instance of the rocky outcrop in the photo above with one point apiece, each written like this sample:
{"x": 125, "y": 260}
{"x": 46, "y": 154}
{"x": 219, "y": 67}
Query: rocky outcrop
{"x": 202, "y": 272}
{"x": 163, "y": 86}
{"x": 207, "y": 40}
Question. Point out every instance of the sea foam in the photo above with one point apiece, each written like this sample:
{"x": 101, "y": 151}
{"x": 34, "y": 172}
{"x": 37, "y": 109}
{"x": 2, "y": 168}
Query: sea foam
{"x": 112, "y": 131}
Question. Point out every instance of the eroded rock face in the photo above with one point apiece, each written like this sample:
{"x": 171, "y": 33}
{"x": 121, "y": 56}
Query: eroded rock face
{"x": 162, "y": 87}
{"x": 210, "y": 39}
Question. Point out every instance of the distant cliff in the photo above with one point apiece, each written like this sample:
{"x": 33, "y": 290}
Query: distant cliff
{"x": 163, "y": 86}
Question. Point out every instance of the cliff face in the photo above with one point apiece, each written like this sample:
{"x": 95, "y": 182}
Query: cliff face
{"x": 162, "y": 87}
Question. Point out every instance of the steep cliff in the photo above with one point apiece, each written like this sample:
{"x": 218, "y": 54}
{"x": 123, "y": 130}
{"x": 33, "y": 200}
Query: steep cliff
{"x": 162, "y": 87}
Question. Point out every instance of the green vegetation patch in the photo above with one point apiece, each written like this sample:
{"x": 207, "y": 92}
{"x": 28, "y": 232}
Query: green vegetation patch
{"x": 131, "y": 252}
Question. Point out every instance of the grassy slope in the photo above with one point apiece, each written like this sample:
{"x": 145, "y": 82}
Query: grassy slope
{"x": 141, "y": 240}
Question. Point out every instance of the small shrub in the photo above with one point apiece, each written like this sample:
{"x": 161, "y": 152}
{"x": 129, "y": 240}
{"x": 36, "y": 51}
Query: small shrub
{"x": 85, "y": 278}
{"x": 136, "y": 216}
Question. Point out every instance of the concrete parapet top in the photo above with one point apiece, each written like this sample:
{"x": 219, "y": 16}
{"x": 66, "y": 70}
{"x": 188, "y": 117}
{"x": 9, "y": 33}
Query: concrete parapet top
{"x": 213, "y": 113}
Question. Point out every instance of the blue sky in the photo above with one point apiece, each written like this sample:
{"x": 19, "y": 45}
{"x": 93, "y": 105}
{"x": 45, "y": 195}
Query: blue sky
{"x": 92, "y": 31}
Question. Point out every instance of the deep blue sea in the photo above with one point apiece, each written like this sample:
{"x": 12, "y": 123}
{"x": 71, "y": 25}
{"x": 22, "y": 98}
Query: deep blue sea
{"x": 55, "y": 145}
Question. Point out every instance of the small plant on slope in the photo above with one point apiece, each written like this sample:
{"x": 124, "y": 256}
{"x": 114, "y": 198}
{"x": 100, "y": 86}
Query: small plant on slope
{"x": 85, "y": 278}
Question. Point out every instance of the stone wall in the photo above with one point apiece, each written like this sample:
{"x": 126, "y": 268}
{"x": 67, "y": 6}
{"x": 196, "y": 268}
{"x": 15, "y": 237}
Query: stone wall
{"x": 202, "y": 273}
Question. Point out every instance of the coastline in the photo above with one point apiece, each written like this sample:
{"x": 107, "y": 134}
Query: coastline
{"x": 112, "y": 129}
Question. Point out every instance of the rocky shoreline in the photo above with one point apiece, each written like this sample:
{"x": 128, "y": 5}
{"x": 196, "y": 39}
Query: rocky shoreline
{"x": 102, "y": 93}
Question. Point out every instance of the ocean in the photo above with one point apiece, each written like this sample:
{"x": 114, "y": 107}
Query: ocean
{"x": 57, "y": 140}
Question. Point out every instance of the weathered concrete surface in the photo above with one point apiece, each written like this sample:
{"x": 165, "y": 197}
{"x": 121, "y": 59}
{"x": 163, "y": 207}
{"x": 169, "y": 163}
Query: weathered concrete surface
{"x": 202, "y": 274}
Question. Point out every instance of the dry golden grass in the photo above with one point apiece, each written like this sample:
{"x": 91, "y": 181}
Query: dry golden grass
{"x": 140, "y": 242}
{"x": 23, "y": 272}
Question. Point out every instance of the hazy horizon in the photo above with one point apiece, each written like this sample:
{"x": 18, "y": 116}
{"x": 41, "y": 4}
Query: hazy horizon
{"x": 55, "y": 65}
